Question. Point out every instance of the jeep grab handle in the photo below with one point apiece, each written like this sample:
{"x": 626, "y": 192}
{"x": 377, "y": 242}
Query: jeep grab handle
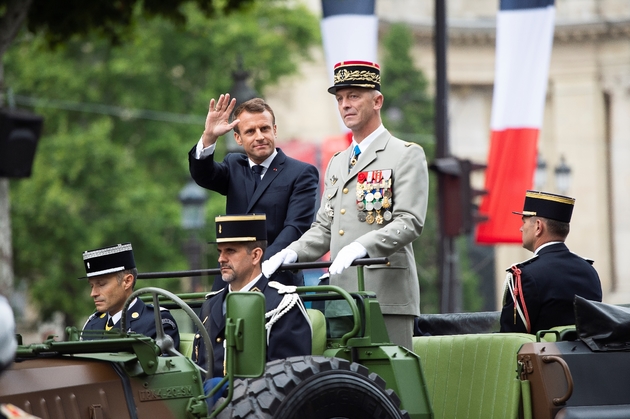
{"x": 558, "y": 401}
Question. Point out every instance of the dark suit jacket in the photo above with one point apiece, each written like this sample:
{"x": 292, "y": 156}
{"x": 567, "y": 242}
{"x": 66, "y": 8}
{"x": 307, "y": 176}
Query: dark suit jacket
{"x": 287, "y": 194}
{"x": 550, "y": 282}
{"x": 140, "y": 319}
{"x": 290, "y": 335}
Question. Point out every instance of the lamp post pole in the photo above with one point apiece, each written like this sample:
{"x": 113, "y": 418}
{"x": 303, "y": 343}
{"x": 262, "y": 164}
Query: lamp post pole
{"x": 450, "y": 285}
{"x": 193, "y": 199}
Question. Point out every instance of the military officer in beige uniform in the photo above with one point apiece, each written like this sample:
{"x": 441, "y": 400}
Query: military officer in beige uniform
{"x": 374, "y": 204}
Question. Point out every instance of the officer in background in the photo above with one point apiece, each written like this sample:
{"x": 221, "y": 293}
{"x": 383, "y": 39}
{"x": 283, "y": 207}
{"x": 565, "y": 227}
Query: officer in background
{"x": 540, "y": 291}
{"x": 111, "y": 273}
{"x": 241, "y": 241}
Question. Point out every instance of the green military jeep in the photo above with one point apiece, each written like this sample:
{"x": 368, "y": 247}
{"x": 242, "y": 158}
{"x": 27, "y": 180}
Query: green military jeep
{"x": 463, "y": 370}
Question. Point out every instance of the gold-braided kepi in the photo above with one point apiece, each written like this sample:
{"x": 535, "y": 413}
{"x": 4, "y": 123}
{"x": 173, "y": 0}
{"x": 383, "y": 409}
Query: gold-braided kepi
{"x": 356, "y": 74}
{"x": 241, "y": 228}
{"x": 548, "y": 205}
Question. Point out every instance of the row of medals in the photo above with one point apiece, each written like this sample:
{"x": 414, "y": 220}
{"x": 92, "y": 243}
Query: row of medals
{"x": 375, "y": 196}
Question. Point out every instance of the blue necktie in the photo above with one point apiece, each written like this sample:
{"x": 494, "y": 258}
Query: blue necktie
{"x": 257, "y": 169}
{"x": 354, "y": 158}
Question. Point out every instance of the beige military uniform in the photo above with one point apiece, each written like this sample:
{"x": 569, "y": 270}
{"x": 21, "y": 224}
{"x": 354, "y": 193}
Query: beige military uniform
{"x": 356, "y": 207}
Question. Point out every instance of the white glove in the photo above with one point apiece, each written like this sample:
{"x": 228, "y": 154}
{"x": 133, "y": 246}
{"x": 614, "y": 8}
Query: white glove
{"x": 346, "y": 256}
{"x": 273, "y": 263}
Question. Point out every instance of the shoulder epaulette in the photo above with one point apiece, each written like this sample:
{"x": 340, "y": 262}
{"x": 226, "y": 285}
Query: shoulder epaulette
{"x": 589, "y": 260}
{"x": 336, "y": 153}
{"x": 523, "y": 263}
{"x": 94, "y": 315}
{"x": 151, "y": 306}
{"x": 409, "y": 144}
{"x": 282, "y": 289}
{"x": 213, "y": 293}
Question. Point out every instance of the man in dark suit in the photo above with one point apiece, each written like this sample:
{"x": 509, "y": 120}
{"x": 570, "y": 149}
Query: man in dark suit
{"x": 111, "y": 273}
{"x": 241, "y": 243}
{"x": 263, "y": 181}
{"x": 540, "y": 291}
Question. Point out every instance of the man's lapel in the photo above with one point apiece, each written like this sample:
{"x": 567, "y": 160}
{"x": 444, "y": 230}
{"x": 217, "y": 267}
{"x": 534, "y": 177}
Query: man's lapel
{"x": 216, "y": 316}
{"x": 247, "y": 177}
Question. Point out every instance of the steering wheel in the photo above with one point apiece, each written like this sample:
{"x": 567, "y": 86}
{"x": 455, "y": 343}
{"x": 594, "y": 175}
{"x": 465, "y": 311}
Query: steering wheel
{"x": 164, "y": 341}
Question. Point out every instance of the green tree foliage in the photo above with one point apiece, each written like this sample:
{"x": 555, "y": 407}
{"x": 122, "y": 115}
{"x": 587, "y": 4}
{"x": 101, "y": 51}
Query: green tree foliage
{"x": 408, "y": 107}
{"x": 113, "y": 20}
{"x": 102, "y": 177}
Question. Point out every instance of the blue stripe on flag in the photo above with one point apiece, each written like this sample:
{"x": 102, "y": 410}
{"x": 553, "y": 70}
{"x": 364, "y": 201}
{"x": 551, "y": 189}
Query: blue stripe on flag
{"x": 524, "y": 4}
{"x": 347, "y": 7}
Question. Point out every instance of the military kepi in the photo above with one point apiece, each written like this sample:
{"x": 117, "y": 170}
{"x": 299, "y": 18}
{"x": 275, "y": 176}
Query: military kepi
{"x": 241, "y": 228}
{"x": 356, "y": 74}
{"x": 547, "y": 205}
{"x": 108, "y": 260}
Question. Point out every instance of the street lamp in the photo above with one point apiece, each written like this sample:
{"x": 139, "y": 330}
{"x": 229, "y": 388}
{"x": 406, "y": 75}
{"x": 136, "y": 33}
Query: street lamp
{"x": 540, "y": 175}
{"x": 193, "y": 199}
{"x": 240, "y": 91}
{"x": 563, "y": 176}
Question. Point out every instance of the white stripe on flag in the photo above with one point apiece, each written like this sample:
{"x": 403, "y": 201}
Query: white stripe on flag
{"x": 348, "y": 38}
{"x": 524, "y": 42}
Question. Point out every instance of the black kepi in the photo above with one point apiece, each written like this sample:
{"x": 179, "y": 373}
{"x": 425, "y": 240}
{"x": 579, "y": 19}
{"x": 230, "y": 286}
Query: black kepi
{"x": 241, "y": 228}
{"x": 108, "y": 260}
{"x": 547, "y": 205}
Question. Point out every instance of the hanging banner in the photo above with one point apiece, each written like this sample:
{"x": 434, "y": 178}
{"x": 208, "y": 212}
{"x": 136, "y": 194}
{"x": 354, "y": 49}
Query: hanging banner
{"x": 523, "y": 51}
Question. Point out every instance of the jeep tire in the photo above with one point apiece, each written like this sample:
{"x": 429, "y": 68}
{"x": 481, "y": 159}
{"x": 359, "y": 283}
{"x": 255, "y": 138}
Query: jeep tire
{"x": 313, "y": 387}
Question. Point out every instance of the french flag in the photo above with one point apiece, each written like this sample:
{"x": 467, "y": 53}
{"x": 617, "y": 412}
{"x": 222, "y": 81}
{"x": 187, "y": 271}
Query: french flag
{"x": 349, "y": 32}
{"x": 523, "y": 51}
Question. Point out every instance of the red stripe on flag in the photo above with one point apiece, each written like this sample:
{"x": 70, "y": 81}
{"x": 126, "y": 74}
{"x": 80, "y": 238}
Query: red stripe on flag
{"x": 510, "y": 173}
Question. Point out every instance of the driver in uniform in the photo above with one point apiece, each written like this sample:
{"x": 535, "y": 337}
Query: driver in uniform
{"x": 241, "y": 242}
{"x": 111, "y": 273}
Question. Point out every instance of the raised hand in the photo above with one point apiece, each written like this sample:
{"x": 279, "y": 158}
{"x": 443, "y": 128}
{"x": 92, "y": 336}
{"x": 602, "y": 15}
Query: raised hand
{"x": 218, "y": 119}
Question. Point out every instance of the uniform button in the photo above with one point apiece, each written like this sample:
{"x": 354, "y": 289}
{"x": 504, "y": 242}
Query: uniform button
{"x": 343, "y": 211}
{"x": 341, "y": 232}
{"x": 345, "y": 190}
{"x": 197, "y": 336}
{"x": 329, "y": 196}
{"x": 218, "y": 340}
